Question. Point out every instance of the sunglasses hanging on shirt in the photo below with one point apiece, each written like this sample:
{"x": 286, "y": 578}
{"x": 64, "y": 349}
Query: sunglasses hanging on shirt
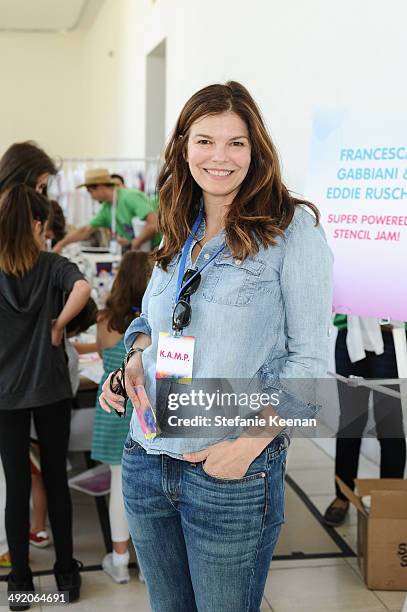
{"x": 188, "y": 282}
{"x": 175, "y": 352}
{"x": 181, "y": 316}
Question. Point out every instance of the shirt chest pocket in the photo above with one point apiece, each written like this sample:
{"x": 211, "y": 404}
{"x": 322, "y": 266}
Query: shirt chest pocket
{"x": 236, "y": 283}
{"x": 161, "y": 279}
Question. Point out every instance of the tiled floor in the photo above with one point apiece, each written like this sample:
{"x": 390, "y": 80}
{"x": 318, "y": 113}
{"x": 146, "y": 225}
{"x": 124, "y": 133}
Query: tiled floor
{"x": 328, "y": 585}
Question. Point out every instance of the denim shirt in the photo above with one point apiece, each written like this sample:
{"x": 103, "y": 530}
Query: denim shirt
{"x": 265, "y": 319}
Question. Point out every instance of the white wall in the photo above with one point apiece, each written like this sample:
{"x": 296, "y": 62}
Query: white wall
{"x": 41, "y": 89}
{"x": 155, "y": 101}
{"x": 102, "y": 61}
{"x": 65, "y": 90}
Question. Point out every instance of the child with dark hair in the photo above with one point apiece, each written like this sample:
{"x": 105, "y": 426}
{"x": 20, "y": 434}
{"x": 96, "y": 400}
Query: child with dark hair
{"x": 109, "y": 432}
{"x": 56, "y": 228}
{"x": 34, "y": 378}
{"x": 22, "y": 163}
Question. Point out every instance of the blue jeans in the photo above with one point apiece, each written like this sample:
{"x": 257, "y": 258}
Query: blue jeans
{"x": 204, "y": 544}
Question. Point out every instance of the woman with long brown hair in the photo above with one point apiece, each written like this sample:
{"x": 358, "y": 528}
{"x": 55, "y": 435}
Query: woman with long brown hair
{"x": 109, "y": 433}
{"x": 34, "y": 379}
{"x": 25, "y": 162}
{"x": 240, "y": 298}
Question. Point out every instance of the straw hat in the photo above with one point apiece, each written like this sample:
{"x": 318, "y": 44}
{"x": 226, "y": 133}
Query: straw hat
{"x": 97, "y": 176}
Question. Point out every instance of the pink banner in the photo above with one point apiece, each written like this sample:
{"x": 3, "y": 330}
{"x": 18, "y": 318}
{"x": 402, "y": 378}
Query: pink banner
{"x": 358, "y": 179}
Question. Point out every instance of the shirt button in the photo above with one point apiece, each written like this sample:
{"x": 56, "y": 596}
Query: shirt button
{"x": 238, "y": 262}
{"x": 206, "y": 256}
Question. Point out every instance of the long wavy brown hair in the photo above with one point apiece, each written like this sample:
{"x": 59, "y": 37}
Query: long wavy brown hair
{"x": 263, "y": 207}
{"x": 124, "y": 301}
{"x": 20, "y": 206}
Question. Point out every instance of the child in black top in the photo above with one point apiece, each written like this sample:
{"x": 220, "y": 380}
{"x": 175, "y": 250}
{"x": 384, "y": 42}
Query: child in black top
{"x": 34, "y": 378}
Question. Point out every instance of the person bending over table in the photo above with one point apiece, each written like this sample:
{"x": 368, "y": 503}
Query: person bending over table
{"x": 129, "y": 203}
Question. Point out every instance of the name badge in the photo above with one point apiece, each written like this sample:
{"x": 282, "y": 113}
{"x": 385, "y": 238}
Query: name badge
{"x": 175, "y": 357}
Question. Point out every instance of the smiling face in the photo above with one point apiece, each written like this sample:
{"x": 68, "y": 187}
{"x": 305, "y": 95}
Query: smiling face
{"x": 218, "y": 155}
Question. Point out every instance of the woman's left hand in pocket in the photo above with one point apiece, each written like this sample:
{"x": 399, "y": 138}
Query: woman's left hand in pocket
{"x": 225, "y": 460}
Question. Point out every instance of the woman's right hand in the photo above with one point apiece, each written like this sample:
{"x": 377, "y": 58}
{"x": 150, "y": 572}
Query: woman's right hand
{"x": 109, "y": 400}
{"x": 134, "y": 376}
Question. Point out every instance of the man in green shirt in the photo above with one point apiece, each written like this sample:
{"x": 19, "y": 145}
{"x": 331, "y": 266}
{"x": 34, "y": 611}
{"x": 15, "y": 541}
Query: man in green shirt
{"x": 129, "y": 203}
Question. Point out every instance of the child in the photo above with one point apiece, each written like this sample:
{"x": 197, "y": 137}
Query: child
{"x": 110, "y": 432}
{"x": 34, "y": 379}
{"x": 56, "y": 228}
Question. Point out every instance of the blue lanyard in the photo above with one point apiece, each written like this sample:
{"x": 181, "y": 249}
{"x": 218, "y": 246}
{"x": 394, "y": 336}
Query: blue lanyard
{"x": 185, "y": 251}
